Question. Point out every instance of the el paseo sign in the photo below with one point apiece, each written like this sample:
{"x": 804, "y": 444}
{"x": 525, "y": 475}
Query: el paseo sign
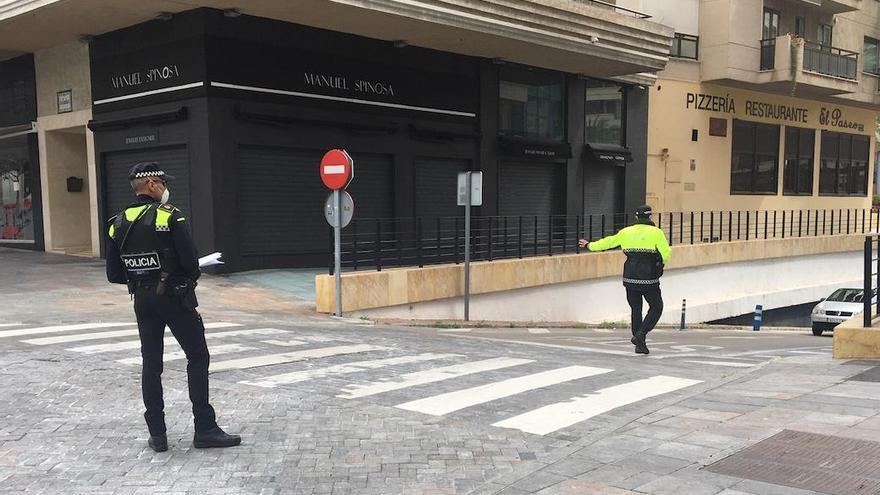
{"x": 829, "y": 117}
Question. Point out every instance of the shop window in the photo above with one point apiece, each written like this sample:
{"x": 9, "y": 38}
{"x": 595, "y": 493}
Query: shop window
{"x": 604, "y": 113}
{"x": 844, "y": 164}
{"x": 685, "y": 46}
{"x": 532, "y": 105}
{"x": 798, "y": 171}
{"x": 754, "y": 163}
{"x": 16, "y": 191}
{"x": 872, "y": 56}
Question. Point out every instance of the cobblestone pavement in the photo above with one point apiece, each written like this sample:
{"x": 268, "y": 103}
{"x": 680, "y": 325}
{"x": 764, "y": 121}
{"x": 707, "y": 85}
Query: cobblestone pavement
{"x": 330, "y": 405}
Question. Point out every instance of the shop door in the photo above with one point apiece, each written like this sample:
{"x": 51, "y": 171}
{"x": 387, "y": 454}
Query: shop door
{"x": 603, "y": 198}
{"x": 117, "y": 190}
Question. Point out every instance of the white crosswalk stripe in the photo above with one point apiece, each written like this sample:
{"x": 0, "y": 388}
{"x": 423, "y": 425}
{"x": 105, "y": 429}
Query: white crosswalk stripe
{"x": 2, "y": 325}
{"x": 340, "y": 369}
{"x": 61, "y": 328}
{"x": 79, "y": 337}
{"x": 731, "y": 364}
{"x": 290, "y": 357}
{"x": 560, "y": 415}
{"x": 136, "y": 344}
{"x": 429, "y": 376}
{"x": 538, "y": 330}
{"x": 439, "y": 405}
{"x": 176, "y": 355}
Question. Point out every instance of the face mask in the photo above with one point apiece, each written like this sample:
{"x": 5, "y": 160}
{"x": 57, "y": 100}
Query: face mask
{"x": 165, "y": 196}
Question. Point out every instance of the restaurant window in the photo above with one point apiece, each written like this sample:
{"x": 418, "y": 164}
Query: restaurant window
{"x": 844, "y": 164}
{"x": 798, "y": 169}
{"x": 872, "y": 56}
{"x": 16, "y": 190}
{"x": 532, "y": 105}
{"x": 604, "y": 113}
{"x": 754, "y": 163}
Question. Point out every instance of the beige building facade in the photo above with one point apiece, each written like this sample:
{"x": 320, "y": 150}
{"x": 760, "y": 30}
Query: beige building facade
{"x": 768, "y": 105}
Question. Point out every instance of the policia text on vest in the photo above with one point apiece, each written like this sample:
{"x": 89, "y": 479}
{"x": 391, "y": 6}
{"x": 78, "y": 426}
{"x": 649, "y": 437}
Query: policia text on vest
{"x": 150, "y": 248}
{"x": 647, "y": 251}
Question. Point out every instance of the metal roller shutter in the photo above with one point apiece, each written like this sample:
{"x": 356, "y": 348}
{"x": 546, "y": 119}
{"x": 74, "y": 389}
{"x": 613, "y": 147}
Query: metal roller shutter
{"x": 532, "y": 189}
{"x": 436, "y": 186}
{"x": 281, "y": 198}
{"x": 373, "y": 186}
{"x": 117, "y": 190}
{"x": 603, "y": 195}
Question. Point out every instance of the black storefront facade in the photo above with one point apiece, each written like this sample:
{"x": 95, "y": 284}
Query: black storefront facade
{"x": 21, "y": 224}
{"x": 242, "y": 109}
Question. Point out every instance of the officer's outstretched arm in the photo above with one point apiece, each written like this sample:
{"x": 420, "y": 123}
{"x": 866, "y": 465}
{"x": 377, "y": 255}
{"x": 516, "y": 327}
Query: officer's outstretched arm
{"x": 612, "y": 241}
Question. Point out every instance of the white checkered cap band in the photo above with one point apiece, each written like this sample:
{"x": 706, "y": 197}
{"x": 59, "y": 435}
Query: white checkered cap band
{"x": 140, "y": 175}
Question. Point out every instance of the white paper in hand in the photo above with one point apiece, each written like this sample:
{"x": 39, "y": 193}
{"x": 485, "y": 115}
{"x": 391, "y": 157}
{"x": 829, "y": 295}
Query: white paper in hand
{"x": 210, "y": 260}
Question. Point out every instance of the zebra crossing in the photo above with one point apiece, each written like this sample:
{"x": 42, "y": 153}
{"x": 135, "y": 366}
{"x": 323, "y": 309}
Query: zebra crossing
{"x": 436, "y": 384}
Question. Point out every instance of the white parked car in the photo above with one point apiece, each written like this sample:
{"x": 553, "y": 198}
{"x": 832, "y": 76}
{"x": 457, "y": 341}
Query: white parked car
{"x": 840, "y": 306}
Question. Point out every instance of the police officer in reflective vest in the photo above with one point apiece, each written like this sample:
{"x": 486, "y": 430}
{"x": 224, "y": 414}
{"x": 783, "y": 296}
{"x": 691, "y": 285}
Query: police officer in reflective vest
{"x": 647, "y": 251}
{"x": 150, "y": 248}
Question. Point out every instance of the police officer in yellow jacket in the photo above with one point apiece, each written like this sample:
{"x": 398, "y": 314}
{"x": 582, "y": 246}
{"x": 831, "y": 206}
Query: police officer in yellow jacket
{"x": 150, "y": 248}
{"x": 647, "y": 251}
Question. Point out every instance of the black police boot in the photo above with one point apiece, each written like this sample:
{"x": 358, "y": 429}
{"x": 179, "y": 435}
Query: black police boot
{"x": 159, "y": 443}
{"x": 215, "y": 438}
{"x": 638, "y": 340}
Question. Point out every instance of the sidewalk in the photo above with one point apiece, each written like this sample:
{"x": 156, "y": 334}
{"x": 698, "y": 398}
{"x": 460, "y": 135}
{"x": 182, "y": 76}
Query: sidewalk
{"x": 70, "y": 421}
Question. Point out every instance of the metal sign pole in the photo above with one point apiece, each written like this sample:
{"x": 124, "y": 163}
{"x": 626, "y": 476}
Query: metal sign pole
{"x": 467, "y": 250}
{"x": 337, "y": 242}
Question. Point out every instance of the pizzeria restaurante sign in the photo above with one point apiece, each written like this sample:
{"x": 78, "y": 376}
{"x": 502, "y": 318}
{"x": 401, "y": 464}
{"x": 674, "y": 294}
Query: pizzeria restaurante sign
{"x": 829, "y": 117}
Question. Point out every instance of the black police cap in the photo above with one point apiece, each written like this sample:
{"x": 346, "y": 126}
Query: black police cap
{"x": 644, "y": 211}
{"x": 146, "y": 170}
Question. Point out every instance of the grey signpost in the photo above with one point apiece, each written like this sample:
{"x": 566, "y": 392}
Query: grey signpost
{"x": 470, "y": 193}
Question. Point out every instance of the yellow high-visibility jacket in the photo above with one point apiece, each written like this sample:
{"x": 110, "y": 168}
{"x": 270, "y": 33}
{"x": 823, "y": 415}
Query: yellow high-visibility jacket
{"x": 646, "y": 250}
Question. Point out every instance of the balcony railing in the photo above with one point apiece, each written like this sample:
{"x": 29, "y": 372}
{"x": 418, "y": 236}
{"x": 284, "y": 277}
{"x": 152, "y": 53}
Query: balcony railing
{"x": 831, "y": 61}
{"x": 768, "y": 54}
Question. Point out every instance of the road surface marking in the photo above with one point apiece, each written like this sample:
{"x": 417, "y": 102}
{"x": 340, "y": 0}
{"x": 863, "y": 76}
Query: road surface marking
{"x": 290, "y": 357}
{"x": 723, "y": 363}
{"x": 176, "y": 355}
{"x": 439, "y": 405}
{"x": 61, "y": 328}
{"x": 136, "y": 344}
{"x": 429, "y": 376}
{"x": 341, "y": 369}
{"x": 79, "y": 337}
{"x": 554, "y": 417}
{"x": 538, "y": 330}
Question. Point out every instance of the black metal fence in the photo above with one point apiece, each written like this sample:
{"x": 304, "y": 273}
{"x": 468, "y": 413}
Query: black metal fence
{"x": 374, "y": 244}
{"x": 871, "y": 278}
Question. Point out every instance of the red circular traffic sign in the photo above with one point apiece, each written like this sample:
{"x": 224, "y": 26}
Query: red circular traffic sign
{"x": 337, "y": 169}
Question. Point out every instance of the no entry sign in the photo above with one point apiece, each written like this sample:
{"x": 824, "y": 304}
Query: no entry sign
{"x": 337, "y": 169}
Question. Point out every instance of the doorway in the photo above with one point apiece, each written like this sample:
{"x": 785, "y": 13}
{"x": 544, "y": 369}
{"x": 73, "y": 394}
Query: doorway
{"x": 68, "y": 217}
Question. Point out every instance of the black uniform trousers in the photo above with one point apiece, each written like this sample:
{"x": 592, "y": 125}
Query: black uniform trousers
{"x": 651, "y": 294}
{"x": 153, "y": 314}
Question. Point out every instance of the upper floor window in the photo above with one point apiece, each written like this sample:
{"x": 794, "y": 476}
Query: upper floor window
{"x": 824, "y": 36}
{"x": 770, "y": 26}
{"x": 800, "y": 27}
{"x": 604, "y": 113}
{"x": 532, "y": 105}
{"x": 872, "y": 55}
{"x": 685, "y": 46}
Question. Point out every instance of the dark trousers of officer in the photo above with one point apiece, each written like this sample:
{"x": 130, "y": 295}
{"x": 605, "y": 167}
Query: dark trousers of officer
{"x": 634, "y": 297}
{"x": 153, "y": 314}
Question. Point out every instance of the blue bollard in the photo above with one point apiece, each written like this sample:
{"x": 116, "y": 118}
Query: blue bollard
{"x": 683, "y": 309}
{"x": 759, "y": 315}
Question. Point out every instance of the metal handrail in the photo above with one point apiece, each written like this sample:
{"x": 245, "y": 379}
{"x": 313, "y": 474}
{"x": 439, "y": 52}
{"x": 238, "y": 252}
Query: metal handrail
{"x": 376, "y": 243}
